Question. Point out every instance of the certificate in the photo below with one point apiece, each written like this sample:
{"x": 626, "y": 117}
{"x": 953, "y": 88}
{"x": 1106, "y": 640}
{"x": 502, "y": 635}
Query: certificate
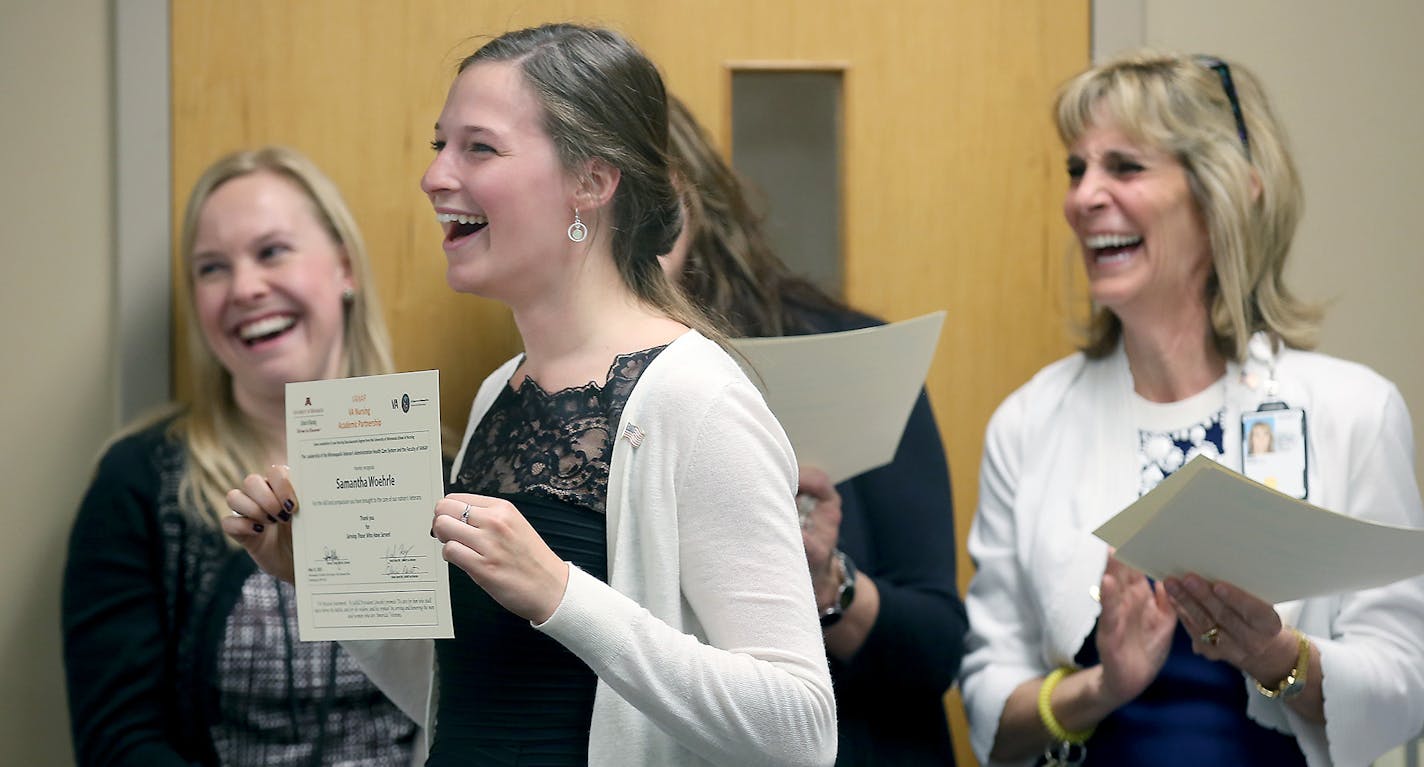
{"x": 365, "y": 458}
{"x": 844, "y": 398}
{"x": 1212, "y": 521}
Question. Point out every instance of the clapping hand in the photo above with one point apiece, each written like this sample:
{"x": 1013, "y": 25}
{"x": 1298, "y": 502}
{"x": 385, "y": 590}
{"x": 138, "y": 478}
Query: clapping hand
{"x": 1231, "y": 625}
{"x": 1134, "y": 631}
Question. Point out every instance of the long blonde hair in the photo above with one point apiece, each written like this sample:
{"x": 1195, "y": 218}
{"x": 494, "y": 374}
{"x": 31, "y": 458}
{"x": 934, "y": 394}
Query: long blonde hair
{"x": 222, "y": 446}
{"x": 1179, "y": 104}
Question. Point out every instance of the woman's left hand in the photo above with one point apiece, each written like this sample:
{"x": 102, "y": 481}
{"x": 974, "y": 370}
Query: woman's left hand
{"x": 1229, "y": 624}
{"x": 496, "y": 546}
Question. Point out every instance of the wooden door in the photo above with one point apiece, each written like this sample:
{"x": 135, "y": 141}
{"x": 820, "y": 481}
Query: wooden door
{"x": 951, "y": 173}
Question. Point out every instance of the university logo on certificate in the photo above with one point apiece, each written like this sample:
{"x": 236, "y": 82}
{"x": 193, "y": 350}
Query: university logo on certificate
{"x": 365, "y": 459}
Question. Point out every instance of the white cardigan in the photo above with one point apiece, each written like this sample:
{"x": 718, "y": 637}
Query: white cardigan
{"x": 705, "y": 639}
{"x": 1059, "y": 460}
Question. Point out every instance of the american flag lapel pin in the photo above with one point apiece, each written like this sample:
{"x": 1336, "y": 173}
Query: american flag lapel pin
{"x": 633, "y": 434}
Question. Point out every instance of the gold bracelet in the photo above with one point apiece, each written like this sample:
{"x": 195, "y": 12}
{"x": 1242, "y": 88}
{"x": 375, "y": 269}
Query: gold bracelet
{"x": 1294, "y": 683}
{"x": 1045, "y": 710}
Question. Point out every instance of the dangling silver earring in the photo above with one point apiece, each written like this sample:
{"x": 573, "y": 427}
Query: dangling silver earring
{"x": 577, "y": 231}
{"x": 348, "y": 296}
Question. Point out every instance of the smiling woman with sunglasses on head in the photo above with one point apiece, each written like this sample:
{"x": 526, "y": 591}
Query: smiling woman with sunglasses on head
{"x": 1184, "y": 201}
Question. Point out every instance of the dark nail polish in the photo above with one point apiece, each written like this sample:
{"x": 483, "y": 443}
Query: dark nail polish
{"x": 271, "y": 518}
{"x": 257, "y": 527}
{"x": 286, "y": 517}
{"x": 288, "y": 504}
{"x": 432, "y": 531}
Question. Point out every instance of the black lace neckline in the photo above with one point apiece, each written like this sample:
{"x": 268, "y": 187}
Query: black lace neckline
{"x": 557, "y": 445}
{"x": 626, "y": 367}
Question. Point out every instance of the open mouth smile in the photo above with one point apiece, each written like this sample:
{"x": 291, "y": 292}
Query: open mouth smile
{"x": 265, "y": 329}
{"x": 458, "y": 226}
{"x": 1107, "y": 249}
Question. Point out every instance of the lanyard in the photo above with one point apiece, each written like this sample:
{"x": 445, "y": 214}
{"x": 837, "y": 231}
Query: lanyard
{"x": 1274, "y": 439}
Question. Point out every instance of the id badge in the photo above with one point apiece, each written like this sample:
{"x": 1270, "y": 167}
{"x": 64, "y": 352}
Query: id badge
{"x": 1273, "y": 448}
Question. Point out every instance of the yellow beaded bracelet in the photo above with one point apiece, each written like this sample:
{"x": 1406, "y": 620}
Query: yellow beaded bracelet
{"x": 1045, "y": 710}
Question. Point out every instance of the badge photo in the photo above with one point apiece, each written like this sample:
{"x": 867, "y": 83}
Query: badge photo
{"x": 1273, "y": 449}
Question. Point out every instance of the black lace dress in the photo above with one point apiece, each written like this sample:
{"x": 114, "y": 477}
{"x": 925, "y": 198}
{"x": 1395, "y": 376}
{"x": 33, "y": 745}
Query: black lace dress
{"x": 510, "y": 695}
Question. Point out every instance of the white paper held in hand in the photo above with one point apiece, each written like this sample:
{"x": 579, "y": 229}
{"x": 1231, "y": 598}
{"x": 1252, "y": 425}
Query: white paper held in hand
{"x": 844, "y": 398}
{"x": 1210, "y": 520}
{"x": 365, "y": 458}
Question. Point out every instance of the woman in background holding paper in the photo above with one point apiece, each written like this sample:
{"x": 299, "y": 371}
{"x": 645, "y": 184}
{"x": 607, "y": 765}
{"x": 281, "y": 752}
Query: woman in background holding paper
{"x": 175, "y": 646}
{"x": 880, "y": 546}
{"x": 637, "y": 590}
{"x": 1184, "y": 200}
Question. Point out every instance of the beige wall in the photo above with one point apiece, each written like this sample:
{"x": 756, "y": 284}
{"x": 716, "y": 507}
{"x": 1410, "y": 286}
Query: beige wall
{"x": 55, "y": 283}
{"x": 1344, "y": 78}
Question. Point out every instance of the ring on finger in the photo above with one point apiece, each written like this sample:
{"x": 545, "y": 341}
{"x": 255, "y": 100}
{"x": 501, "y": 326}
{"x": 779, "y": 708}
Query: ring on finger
{"x": 465, "y": 515}
{"x": 1211, "y": 636}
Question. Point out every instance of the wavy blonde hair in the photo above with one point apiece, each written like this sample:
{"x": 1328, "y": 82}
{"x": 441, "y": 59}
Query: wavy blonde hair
{"x": 1178, "y": 104}
{"x": 222, "y": 446}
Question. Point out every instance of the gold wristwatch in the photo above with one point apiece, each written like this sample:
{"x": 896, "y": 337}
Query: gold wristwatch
{"x": 1294, "y": 683}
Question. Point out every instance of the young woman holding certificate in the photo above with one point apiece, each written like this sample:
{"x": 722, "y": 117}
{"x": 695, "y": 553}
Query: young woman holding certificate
{"x": 1184, "y": 200}
{"x": 175, "y": 646}
{"x": 632, "y": 586}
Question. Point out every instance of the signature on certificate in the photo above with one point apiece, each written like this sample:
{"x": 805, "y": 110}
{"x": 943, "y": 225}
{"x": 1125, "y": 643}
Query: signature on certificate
{"x": 401, "y": 563}
{"x": 395, "y": 567}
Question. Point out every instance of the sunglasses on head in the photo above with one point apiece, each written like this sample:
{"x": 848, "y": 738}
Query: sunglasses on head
{"x": 1224, "y": 72}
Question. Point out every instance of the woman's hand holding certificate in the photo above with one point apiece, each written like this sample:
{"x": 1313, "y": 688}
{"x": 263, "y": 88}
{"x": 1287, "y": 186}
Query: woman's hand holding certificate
{"x": 365, "y": 456}
{"x": 494, "y": 544}
{"x": 265, "y": 502}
